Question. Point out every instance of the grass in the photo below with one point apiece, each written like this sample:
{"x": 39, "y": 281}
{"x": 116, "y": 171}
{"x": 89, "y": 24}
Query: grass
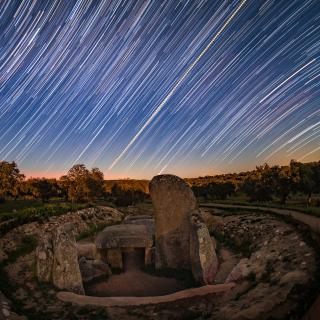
{"x": 19, "y": 204}
{"x": 295, "y": 206}
{"x": 91, "y": 231}
{"x": 10, "y": 220}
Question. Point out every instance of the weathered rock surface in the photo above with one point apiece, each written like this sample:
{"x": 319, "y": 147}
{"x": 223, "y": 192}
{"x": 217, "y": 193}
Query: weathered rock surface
{"x": 174, "y": 203}
{"x": 204, "y": 261}
{"x": 44, "y": 258}
{"x": 93, "y": 269}
{"x": 240, "y": 271}
{"x": 66, "y": 272}
{"x": 147, "y": 222}
{"x": 124, "y": 236}
{"x": 111, "y": 241}
{"x": 87, "y": 250}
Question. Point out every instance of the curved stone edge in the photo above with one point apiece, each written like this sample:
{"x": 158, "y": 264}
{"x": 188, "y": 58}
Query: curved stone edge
{"x": 312, "y": 222}
{"x": 138, "y": 301}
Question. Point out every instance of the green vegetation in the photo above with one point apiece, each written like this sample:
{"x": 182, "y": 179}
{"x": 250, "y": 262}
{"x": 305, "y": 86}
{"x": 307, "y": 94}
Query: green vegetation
{"x": 11, "y": 220}
{"x": 291, "y": 187}
{"x": 93, "y": 230}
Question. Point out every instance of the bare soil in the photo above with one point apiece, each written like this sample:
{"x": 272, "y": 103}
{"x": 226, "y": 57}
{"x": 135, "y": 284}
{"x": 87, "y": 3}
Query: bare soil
{"x": 134, "y": 282}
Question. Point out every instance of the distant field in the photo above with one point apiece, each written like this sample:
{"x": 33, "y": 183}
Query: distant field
{"x": 297, "y": 203}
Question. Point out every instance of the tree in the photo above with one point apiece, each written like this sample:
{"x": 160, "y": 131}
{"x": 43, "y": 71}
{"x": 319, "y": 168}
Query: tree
{"x": 96, "y": 183}
{"x": 281, "y": 181}
{"x": 258, "y": 185}
{"x": 306, "y": 177}
{"x": 63, "y": 186}
{"x": 10, "y": 179}
{"x": 78, "y": 187}
{"x": 41, "y": 188}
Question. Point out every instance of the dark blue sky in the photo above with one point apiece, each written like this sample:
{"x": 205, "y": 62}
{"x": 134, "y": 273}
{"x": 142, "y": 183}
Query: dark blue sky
{"x": 142, "y": 87}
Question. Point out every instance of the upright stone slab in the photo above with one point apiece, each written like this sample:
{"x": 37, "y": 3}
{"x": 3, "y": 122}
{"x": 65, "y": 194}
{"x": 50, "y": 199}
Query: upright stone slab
{"x": 66, "y": 272}
{"x": 174, "y": 203}
{"x": 204, "y": 261}
{"x": 44, "y": 258}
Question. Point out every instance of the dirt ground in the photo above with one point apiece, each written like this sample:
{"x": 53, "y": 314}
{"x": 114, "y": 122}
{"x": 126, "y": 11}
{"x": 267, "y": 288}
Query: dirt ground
{"x": 134, "y": 282}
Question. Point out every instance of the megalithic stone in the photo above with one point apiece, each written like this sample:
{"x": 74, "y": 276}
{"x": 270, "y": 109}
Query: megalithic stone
{"x": 174, "y": 203}
{"x": 66, "y": 271}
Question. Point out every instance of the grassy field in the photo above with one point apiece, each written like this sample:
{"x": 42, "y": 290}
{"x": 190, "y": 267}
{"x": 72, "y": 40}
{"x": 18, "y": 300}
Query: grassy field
{"x": 11, "y": 205}
{"x": 297, "y": 203}
{"x": 14, "y": 213}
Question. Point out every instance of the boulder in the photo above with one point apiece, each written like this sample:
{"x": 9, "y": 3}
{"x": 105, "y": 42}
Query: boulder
{"x": 174, "y": 204}
{"x": 66, "y": 272}
{"x": 112, "y": 240}
{"x": 44, "y": 258}
{"x": 124, "y": 236}
{"x": 93, "y": 269}
{"x": 204, "y": 261}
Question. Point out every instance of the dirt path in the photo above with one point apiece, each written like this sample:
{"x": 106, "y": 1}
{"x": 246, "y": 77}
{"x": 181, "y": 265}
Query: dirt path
{"x": 311, "y": 221}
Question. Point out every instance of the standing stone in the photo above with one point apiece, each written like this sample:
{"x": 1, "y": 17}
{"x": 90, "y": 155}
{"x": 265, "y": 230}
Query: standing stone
{"x": 174, "y": 203}
{"x": 66, "y": 272}
{"x": 44, "y": 258}
{"x": 204, "y": 261}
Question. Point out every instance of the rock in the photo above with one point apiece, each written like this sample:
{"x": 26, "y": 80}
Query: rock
{"x": 298, "y": 277}
{"x": 174, "y": 204}
{"x": 87, "y": 250}
{"x": 240, "y": 271}
{"x": 147, "y": 222}
{"x": 204, "y": 261}
{"x": 124, "y": 236}
{"x": 112, "y": 240}
{"x": 93, "y": 269}
{"x": 44, "y": 258}
{"x": 66, "y": 272}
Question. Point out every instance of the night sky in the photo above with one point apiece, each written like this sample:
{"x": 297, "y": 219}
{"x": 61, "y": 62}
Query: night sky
{"x": 138, "y": 88}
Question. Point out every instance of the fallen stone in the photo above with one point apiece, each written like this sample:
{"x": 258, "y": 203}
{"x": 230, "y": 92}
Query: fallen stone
{"x": 204, "y": 261}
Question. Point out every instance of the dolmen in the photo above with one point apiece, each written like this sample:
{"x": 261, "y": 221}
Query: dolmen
{"x": 179, "y": 242}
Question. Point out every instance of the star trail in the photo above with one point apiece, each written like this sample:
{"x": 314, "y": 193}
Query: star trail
{"x": 142, "y": 87}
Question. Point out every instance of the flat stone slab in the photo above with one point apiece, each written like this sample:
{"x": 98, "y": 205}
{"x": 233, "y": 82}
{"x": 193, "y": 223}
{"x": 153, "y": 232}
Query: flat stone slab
{"x": 136, "y": 217}
{"x": 124, "y": 236}
{"x": 147, "y": 222}
{"x": 137, "y": 301}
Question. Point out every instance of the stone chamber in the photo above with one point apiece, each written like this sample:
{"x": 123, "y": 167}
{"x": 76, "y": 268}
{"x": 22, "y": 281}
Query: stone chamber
{"x": 176, "y": 261}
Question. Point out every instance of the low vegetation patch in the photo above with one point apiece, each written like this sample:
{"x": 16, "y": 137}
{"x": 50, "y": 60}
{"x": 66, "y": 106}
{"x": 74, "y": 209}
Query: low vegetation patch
{"x": 12, "y": 220}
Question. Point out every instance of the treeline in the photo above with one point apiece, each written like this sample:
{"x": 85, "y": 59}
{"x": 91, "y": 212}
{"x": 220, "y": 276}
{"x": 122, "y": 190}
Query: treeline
{"x": 79, "y": 185}
{"x": 263, "y": 184}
